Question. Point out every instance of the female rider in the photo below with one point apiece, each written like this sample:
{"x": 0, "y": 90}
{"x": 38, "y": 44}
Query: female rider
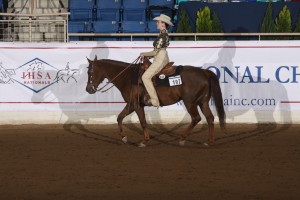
{"x": 160, "y": 55}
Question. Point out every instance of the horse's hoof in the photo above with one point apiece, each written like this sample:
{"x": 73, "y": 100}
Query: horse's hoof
{"x": 182, "y": 143}
{"x": 142, "y": 145}
{"x": 124, "y": 139}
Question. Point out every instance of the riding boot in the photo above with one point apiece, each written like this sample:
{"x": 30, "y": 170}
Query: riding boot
{"x": 146, "y": 99}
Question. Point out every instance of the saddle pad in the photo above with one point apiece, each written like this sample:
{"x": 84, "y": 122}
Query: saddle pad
{"x": 170, "y": 80}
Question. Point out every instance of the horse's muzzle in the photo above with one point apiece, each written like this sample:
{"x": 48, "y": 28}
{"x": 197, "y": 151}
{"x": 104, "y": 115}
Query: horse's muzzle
{"x": 91, "y": 89}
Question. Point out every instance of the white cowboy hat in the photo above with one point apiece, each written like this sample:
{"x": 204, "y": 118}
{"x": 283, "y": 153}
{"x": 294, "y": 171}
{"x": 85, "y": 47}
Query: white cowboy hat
{"x": 164, "y": 18}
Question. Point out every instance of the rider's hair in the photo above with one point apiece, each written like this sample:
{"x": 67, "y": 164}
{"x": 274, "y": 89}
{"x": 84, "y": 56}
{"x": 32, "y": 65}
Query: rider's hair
{"x": 166, "y": 25}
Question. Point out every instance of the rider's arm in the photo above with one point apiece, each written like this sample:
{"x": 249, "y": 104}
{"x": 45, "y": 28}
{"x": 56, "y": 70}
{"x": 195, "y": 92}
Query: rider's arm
{"x": 149, "y": 54}
{"x": 161, "y": 42}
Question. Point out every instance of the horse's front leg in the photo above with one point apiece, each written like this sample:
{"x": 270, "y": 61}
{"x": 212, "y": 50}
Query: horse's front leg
{"x": 126, "y": 111}
{"x": 141, "y": 114}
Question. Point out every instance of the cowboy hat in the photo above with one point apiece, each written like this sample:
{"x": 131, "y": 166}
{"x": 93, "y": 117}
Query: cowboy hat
{"x": 164, "y": 18}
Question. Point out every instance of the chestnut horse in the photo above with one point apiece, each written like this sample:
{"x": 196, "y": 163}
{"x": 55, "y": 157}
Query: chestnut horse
{"x": 199, "y": 85}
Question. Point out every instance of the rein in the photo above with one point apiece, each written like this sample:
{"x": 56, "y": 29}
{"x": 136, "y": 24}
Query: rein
{"x": 100, "y": 89}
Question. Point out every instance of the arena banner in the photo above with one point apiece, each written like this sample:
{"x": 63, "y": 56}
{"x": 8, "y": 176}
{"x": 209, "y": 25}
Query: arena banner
{"x": 256, "y": 77}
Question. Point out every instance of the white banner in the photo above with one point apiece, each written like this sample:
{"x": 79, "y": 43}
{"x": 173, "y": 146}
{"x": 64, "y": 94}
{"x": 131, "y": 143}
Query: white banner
{"x": 255, "y": 76}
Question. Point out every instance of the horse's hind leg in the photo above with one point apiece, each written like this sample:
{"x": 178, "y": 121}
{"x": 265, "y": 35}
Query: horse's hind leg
{"x": 210, "y": 120}
{"x": 193, "y": 111}
{"x": 126, "y": 111}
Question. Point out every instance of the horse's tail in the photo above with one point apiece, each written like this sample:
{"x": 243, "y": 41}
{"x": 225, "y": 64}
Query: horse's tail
{"x": 218, "y": 99}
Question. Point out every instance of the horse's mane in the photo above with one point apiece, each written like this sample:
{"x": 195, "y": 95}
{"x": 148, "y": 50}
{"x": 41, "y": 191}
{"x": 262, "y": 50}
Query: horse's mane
{"x": 114, "y": 62}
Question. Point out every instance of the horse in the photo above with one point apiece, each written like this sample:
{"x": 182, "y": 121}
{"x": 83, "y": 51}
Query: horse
{"x": 199, "y": 86}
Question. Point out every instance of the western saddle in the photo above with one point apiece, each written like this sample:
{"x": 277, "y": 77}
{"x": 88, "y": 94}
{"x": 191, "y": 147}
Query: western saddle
{"x": 167, "y": 70}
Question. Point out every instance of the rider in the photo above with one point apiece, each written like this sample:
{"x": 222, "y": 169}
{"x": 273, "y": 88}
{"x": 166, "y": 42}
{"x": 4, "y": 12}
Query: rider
{"x": 160, "y": 55}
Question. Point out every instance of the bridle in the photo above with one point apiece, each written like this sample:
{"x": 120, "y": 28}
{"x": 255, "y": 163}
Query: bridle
{"x": 91, "y": 78}
{"x": 94, "y": 89}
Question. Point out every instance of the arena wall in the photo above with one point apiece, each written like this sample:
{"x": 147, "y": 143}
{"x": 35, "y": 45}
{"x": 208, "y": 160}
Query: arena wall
{"x": 45, "y": 82}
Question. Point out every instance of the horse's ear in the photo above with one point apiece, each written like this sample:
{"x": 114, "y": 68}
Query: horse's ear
{"x": 95, "y": 58}
{"x": 88, "y": 60}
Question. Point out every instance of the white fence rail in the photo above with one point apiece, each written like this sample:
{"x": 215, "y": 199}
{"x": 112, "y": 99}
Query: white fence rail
{"x": 46, "y": 83}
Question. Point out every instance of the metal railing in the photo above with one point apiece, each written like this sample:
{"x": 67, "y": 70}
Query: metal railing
{"x": 33, "y": 27}
{"x": 53, "y": 27}
{"x": 191, "y": 36}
